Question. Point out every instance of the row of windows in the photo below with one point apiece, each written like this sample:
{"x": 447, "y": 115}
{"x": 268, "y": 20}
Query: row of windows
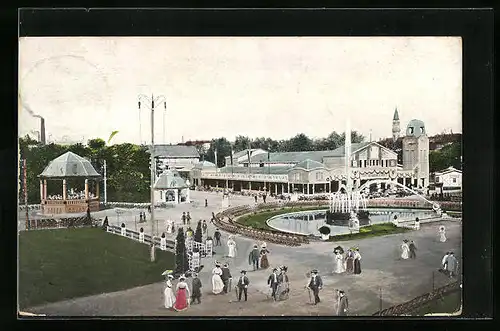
{"x": 373, "y": 163}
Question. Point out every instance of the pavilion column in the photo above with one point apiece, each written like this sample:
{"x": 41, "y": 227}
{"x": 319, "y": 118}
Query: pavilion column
{"x": 41, "y": 190}
{"x": 276, "y": 188}
{"x": 303, "y": 189}
{"x": 324, "y": 188}
{"x": 86, "y": 189}
{"x": 97, "y": 190}
{"x": 65, "y": 189}
{"x": 44, "y": 189}
{"x": 312, "y": 188}
{"x": 227, "y": 184}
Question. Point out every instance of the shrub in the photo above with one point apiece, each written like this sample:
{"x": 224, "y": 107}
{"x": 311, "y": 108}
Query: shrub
{"x": 324, "y": 230}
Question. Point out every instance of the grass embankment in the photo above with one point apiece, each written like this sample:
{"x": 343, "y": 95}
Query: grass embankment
{"x": 258, "y": 220}
{"x": 375, "y": 230}
{"x": 60, "y": 264}
{"x": 448, "y": 303}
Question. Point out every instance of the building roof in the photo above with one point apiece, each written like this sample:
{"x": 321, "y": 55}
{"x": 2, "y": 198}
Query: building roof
{"x": 204, "y": 164}
{"x": 309, "y": 165}
{"x": 273, "y": 170}
{"x": 396, "y": 115}
{"x": 170, "y": 179}
{"x": 176, "y": 151}
{"x": 69, "y": 165}
{"x": 448, "y": 170}
{"x": 297, "y": 157}
{"x": 244, "y": 152}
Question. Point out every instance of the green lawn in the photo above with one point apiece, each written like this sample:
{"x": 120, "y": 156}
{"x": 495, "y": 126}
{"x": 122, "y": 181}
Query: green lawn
{"x": 258, "y": 220}
{"x": 60, "y": 264}
{"x": 449, "y": 303}
{"x": 381, "y": 229}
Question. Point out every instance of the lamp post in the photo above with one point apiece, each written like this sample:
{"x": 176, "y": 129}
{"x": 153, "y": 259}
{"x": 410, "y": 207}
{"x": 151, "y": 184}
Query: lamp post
{"x": 152, "y": 100}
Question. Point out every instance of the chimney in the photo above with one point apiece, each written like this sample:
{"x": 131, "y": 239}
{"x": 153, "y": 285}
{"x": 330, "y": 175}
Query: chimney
{"x": 42, "y": 130}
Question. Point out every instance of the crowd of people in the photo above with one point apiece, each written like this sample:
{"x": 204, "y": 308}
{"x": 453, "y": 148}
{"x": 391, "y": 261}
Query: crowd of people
{"x": 71, "y": 195}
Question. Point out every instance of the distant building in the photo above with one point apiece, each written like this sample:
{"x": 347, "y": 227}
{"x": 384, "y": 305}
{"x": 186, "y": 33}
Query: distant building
{"x": 241, "y": 157}
{"x": 324, "y": 171}
{"x": 396, "y": 130}
{"x": 177, "y": 157}
{"x": 448, "y": 180}
{"x": 416, "y": 153}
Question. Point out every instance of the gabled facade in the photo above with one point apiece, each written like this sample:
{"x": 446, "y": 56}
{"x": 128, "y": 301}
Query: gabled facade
{"x": 449, "y": 179}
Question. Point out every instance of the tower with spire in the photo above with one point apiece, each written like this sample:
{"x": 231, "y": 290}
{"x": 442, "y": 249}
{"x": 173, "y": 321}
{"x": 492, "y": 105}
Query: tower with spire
{"x": 396, "y": 130}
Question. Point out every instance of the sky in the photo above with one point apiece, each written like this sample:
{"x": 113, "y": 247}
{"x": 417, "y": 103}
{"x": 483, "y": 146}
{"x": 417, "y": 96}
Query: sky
{"x": 87, "y": 87}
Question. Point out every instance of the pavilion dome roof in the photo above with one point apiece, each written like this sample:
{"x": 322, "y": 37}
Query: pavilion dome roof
{"x": 69, "y": 165}
{"x": 170, "y": 179}
{"x": 309, "y": 165}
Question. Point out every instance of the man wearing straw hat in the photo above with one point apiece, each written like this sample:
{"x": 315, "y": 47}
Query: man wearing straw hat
{"x": 315, "y": 284}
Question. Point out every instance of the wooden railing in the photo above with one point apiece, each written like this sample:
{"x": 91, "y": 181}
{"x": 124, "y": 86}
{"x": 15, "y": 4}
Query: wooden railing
{"x": 134, "y": 235}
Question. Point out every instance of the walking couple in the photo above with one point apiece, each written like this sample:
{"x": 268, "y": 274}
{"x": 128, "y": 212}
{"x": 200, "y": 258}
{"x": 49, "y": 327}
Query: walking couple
{"x": 257, "y": 256}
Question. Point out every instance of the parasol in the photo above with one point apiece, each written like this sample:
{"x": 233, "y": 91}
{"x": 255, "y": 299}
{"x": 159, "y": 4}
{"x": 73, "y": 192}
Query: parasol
{"x": 338, "y": 249}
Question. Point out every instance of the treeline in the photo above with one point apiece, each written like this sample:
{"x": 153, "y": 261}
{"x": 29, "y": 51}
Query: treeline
{"x": 299, "y": 143}
{"x": 128, "y": 174}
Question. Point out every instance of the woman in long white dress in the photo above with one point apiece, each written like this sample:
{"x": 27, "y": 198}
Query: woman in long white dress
{"x": 405, "y": 250}
{"x": 339, "y": 263}
{"x": 168, "y": 293}
{"x": 231, "y": 244}
{"x": 442, "y": 234}
{"x": 217, "y": 283}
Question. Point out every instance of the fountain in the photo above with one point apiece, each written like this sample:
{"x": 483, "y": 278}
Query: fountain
{"x": 347, "y": 206}
{"x": 348, "y": 209}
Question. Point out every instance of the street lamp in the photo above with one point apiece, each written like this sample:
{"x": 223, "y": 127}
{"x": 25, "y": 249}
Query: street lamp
{"x": 152, "y": 101}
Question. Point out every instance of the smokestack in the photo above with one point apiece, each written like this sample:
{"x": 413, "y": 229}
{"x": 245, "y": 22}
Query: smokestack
{"x": 42, "y": 130}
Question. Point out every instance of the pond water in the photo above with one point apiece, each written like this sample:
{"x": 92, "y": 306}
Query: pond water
{"x": 308, "y": 222}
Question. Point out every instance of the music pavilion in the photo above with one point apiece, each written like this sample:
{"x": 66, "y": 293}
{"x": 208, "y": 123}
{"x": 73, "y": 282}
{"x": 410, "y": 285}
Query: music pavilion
{"x": 321, "y": 171}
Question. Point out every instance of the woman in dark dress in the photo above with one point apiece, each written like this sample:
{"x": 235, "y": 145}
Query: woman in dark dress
{"x": 357, "y": 263}
{"x": 264, "y": 262}
{"x": 349, "y": 259}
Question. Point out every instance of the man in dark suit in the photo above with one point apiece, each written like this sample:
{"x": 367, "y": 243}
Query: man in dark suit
{"x": 253, "y": 257}
{"x": 217, "y": 237}
{"x": 315, "y": 284}
{"x": 242, "y": 285}
{"x": 272, "y": 281}
{"x": 343, "y": 304}
{"x": 196, "y": 289}
{"x": 226, "y": 276}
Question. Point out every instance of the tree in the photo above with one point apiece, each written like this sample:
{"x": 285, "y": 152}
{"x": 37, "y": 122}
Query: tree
{"x": 181, "y": 259}
{"x": 300, "y": 143}
{"x": 241, "y": 143}
{"x": 198, "y": 237}
{"x": 223, "y": 147}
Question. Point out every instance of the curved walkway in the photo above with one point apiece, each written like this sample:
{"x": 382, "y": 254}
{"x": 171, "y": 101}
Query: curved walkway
{"x": 400, "y": 280}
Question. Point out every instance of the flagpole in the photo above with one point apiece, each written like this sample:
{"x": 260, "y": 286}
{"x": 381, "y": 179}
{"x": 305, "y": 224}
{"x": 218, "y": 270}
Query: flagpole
{"x": 216, "y": 166}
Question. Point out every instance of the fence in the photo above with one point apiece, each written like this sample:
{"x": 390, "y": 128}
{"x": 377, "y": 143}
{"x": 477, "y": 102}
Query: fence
{"x": 412, "y": 305}
{"x": 135, "y": 235}
{"x": 57, "y": 223}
